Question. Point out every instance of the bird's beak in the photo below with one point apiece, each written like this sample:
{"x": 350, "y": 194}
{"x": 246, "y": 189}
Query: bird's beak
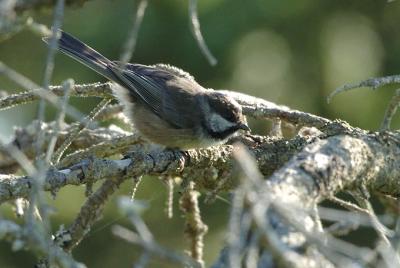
{"x": 244, "y": 126}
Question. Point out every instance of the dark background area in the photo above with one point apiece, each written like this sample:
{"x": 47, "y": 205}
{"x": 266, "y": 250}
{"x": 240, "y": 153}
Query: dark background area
{"x": 290, "y": 52}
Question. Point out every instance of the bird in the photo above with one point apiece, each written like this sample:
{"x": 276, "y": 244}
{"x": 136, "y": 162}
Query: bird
{"x": 164, "y": 103}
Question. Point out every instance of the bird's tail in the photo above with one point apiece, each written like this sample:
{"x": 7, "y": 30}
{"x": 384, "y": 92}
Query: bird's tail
{"x": 81, "y": 52}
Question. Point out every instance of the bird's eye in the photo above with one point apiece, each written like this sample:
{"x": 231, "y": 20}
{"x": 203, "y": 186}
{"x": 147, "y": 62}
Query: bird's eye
{"x": 230, "y": 116}
{"x": 232, "y": 113}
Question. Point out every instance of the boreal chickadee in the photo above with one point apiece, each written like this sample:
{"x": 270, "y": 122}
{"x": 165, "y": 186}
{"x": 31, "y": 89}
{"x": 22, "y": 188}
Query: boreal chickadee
{"x": 166, "y": 105}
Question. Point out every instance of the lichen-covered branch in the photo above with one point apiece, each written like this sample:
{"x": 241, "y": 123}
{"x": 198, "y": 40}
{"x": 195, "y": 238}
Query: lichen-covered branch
{"x": 24, "y": 140}
{"x": 304, "y": 170}
{"x": 195, "y": 228}
{"x": 204, "y": 166}
{"x": 260, "y": 108}
{"x": 83, "y": 90}
{"x": 90, "y": 212}
{"x": 322, "y": 169}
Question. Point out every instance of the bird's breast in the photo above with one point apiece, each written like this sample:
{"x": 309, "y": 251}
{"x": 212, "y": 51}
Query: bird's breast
{"x": 157, "y": 130}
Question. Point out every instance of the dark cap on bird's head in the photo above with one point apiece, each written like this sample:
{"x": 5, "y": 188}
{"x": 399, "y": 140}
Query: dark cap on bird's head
{"x": 224, "y": 116}
{"x": 227, "y": 107}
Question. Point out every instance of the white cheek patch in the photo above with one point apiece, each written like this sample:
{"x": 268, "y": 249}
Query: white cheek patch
{"x": 219, "y": 124}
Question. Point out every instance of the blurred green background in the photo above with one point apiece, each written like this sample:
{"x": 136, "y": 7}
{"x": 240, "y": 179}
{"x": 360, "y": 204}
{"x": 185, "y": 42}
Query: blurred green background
{"x": 288, "y": 51}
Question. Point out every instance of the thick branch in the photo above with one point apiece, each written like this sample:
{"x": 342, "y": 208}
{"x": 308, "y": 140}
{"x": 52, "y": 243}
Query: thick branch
{"x": 204, "y": 166}
{"x": 322, "y": 169}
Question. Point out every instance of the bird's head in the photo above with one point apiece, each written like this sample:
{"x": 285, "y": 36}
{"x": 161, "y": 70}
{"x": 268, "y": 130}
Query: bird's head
{"x": 222, "y": 115}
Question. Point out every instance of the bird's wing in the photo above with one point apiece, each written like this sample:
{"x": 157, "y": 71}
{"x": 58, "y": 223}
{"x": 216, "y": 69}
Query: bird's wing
{"x": 165, "y": 93}
{"x": 141, "y": 85}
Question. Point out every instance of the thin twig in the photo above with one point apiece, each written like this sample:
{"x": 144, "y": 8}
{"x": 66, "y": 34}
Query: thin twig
{"x": 22, "y": 238}
{"x": 37, "y": 93}
{"x": 90, "y": 212}
{"x": 195, "y": 228}
{"x": 276, "y": 129}
{"x": 382, "y": 231}
{"x": 37, "y": 201}
{"x": 74, "y": 133}
{"x": 19, "y": 157}
{"x": 373, "y": 83}
{"x": 348, "y": 205}
{"x": 341, "y": 228}
{"x": 390, "y": 111}
{"x": 260, "y": 108}
{"x": 195, "y": 27}
{"x": 68, "y": 84}
{"x": 108, "y": 148}
{"x": 24, "y": 139}
{"x": 170, "y": 199}
{"x": 130, "y": 43}
{"x": 234, "y": 227}
{"x": 154, "y": 248}
{"x": 48, "y": 72}
{"x": 136, "y": 182}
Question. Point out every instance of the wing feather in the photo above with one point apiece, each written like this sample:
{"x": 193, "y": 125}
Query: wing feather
{"x": 164, "y": 92}
{"x": 142, "y": 87}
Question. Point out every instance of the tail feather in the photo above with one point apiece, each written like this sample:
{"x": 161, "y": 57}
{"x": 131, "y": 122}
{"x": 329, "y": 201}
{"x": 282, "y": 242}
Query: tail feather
{"x": 81, "y": 52}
